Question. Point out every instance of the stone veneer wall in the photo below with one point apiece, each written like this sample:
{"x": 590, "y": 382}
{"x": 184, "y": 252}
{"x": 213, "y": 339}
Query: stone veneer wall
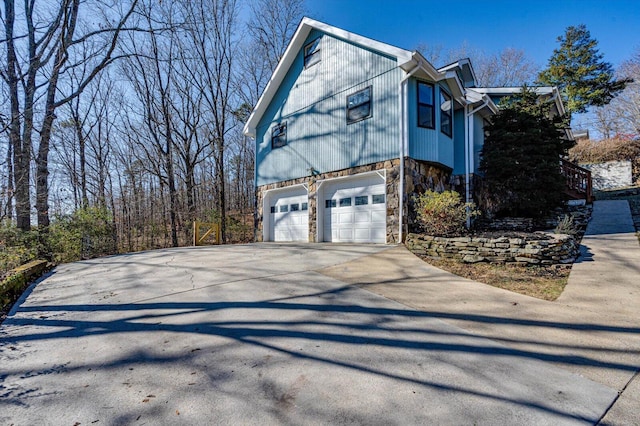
{"x": 421, "y": 176}
{"x": 392, "y": 168}
{"x": 538, "y": 248}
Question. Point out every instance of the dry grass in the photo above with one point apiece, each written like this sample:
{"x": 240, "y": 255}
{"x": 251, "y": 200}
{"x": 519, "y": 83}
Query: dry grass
{"x": 588, "y": 151}
{"x": 542, "y": 282}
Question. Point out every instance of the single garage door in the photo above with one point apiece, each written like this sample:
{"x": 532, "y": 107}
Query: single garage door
{"x": 289, "y": 216}
{"x": 355, "y": 212}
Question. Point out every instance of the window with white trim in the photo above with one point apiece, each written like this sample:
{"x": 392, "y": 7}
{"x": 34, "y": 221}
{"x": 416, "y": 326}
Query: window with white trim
{"x": 359, "y": 105}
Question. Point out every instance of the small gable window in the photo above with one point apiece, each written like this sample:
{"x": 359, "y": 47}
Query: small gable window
{"x": 279, "y": 135}
{"x": 359, "y": 105}
{"x": 446, "y": 124}
{"x": 312, "y": 53}
{"x": 425, "y": 105}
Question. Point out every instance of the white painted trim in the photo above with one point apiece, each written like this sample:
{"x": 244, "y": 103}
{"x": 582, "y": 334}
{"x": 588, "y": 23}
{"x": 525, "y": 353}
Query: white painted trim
{"x": 297, "y": 41}
{"x": 539, "y": 90}
{"x": 266, "y": 207}
{"x": 381, "y": 173}
{"x": 458, "y": 64}
{"x": 403, "y": 92}
{"x": 320, "y": 196}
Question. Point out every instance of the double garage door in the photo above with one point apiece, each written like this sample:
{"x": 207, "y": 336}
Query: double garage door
{"x": 349, "y": 210}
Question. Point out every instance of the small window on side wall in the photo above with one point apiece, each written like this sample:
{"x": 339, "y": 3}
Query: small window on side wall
{"x": 425, "y": 106}
{"x": 279, "y": 135}
{"x": 312, "y": 53}
{"x": 359, "y": 105}
{"x": 446, "y": 124}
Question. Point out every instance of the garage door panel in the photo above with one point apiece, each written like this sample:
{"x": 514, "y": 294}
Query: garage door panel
{"x": 289, "y": 217}
{"x": 345, "y": 234}
{"x": 353, "y": 214}
{"x": 363, "y": 234}
{"x": 378, "y": 234}
{"x": 379, "y": 216}
{"x": 362, "y": 217}
{"x": 345, "y": 218}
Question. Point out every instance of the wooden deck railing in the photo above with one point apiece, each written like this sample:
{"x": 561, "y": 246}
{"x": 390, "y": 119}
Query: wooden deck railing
{"x": 578, "y": 179}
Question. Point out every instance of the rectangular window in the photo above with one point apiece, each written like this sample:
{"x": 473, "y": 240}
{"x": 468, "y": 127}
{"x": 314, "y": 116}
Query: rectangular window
{"x": 446, "y": 124}
{"x": 304, "y": 206}
{"x": 377, "y": 199}
{"x": 279, "y": 135}
{"x": 273, "y": 209}
{"x": 284, "y": 209}
{"x": 362, "y": 200}
{"x": 312, "y": 53}
{"x": 359, "y": 105}
{"x": 345, "y": 202}
{"x": 295, "y": 207}
{"x": 330, "y": 203}
{"x": 425, "y": 105}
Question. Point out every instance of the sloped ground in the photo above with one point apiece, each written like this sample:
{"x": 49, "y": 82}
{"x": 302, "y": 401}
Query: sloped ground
{"x": 275, "y": 334}
{"x": 591, "y": 330}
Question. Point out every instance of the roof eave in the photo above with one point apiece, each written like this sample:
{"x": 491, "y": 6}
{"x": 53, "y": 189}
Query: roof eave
{"x": 403, "y": 58}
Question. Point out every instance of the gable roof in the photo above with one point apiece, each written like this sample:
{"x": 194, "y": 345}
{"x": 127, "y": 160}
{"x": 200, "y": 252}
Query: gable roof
{"x": 413, "y": 63}
{"x": 551, "y": 91}
{"x": 466, "y": 71}
{"x": 407, "y": 60}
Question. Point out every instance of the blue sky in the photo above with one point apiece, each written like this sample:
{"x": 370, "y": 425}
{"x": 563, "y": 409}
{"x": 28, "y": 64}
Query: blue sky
{"x": 488, "y": 25}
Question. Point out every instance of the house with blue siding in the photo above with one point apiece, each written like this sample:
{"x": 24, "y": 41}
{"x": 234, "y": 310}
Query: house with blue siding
{"x": 348, "y": 129}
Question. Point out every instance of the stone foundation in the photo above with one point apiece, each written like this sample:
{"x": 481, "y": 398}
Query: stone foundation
{"x": 421, "y": 176}
{"x": 537, "y": 248}
{"x": 392, "y": 170}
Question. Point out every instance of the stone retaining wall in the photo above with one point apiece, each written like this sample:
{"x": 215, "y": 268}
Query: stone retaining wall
{"x": 536, "y": 248}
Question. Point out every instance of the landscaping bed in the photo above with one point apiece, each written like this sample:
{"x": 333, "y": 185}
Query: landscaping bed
{"x": 532, "y": 263}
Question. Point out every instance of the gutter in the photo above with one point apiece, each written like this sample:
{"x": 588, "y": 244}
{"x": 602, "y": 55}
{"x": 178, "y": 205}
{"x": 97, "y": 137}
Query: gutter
{"x": 468, "y": 149}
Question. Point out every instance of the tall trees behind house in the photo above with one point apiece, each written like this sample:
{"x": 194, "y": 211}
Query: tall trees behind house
{"x": 44, "y": 43}
{"x": 578, "y": 69}
{"x": 509, "y": 67}
{"x": 155, "y": 139}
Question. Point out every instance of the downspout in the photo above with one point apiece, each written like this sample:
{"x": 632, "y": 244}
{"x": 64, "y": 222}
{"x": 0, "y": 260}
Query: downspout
{"x": 468, "y": 150}
{"x": 404, "y": 136}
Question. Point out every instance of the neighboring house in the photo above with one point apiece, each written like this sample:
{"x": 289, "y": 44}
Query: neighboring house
{"x": 349, "y": 129}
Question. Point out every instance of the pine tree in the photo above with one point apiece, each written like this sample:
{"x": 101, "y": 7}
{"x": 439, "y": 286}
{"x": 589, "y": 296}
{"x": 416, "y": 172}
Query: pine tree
{"x": 578, "y": 69}
{"x": 520, "y": 158}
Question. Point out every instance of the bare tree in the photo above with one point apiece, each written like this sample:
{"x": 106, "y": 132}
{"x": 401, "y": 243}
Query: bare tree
{"x": 509, "y": 67}
{"x": 151, "y": 72}
{"x": 211, "y": 27}
{"x": 52, "y": 40}
{"x": 273, "y": 24}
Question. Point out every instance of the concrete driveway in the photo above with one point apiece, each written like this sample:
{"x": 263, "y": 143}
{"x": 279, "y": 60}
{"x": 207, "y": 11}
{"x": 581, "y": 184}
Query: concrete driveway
{"x": 262, "y": 334}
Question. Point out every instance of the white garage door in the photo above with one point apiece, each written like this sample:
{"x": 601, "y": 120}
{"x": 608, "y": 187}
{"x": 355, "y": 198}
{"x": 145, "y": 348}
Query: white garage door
{"x": 289, "y": 216}
{"x": 355, "y": 214}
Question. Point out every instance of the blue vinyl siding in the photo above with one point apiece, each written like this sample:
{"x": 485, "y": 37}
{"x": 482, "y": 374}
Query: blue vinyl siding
{"x": 478, "y": 139}
{"x": 429, "y": 144}
{"x": 313, "y": 103}
{"x": 458, "y": 142}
